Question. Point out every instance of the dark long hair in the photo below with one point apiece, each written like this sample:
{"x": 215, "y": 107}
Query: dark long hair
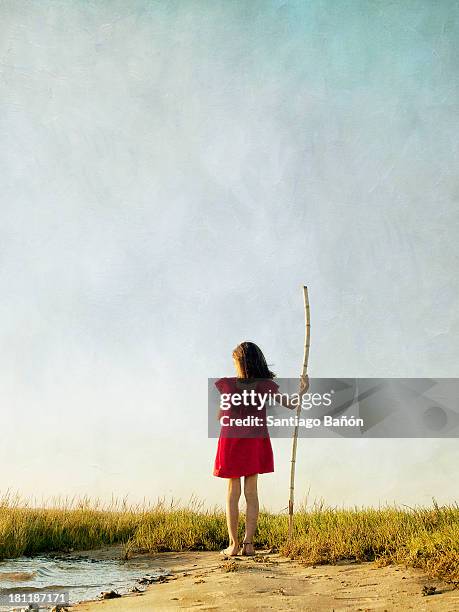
{"x": 251, "y": 361}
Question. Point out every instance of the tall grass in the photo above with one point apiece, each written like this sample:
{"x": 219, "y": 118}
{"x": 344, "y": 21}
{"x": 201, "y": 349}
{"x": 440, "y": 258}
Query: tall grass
{"x": 426, "y": 538}
{"x": 63, "y": 525}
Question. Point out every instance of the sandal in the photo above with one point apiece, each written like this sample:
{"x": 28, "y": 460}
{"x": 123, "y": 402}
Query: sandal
{"x": 224, "y": 553}
{"x": 244, "y": 553}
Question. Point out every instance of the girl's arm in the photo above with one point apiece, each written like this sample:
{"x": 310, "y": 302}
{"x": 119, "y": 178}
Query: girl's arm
{"x": 285, "y": 400}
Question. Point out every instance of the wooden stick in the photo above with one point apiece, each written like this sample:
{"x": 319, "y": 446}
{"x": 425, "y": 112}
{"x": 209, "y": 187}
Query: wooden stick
{"x": 307, "y": 336}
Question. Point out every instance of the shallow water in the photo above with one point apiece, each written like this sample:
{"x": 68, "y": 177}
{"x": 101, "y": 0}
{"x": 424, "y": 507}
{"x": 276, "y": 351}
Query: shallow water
{"x": 83, "y": 578}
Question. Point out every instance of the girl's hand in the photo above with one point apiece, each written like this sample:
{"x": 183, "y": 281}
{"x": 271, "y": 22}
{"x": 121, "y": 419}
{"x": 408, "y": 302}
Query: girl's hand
{"x": 304, "y": 384}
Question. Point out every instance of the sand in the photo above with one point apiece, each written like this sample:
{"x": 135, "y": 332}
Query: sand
{"x": 206, "y": 581}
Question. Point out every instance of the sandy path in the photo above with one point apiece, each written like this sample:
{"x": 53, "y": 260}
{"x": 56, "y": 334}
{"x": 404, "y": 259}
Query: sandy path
{"x": 201, "y": 581}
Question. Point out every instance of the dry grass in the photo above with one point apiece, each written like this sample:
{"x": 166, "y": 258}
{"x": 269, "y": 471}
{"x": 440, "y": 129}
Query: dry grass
{"x": 426, "y": 538}
{"x": 229, "y": 566}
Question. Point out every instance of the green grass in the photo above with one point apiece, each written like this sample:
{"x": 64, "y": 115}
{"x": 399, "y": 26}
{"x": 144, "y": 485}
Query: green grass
{"x": 426, "y": 538}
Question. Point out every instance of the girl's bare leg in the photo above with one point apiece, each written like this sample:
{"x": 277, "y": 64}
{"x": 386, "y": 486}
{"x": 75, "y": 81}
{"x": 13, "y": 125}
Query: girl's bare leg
{"x": 251, "y": 517}
{"x": 232, "y": 514}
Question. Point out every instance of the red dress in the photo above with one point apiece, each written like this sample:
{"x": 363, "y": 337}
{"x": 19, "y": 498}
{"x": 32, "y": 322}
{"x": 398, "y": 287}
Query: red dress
{"x": 251, "y": 452}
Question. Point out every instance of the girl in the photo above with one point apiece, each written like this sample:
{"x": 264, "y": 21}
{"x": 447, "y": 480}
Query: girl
{"x": 246, "y": 451}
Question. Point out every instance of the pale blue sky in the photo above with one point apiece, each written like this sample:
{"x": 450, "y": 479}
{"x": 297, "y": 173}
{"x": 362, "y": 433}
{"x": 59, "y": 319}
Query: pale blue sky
{"x": 172, "y": 172}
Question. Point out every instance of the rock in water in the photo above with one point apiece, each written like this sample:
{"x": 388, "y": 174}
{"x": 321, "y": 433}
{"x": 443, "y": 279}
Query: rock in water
{"x": 109, "y": 595}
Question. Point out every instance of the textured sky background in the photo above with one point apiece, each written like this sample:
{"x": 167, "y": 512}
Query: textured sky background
{"x": 171, "y": 173}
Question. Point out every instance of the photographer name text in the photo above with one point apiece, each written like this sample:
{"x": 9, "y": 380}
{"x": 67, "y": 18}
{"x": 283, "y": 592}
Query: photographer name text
{"x": 292, "y": 421}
